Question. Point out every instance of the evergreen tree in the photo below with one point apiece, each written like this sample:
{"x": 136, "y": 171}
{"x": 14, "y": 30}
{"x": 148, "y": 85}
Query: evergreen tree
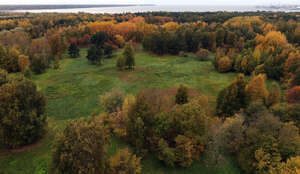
{"x": 73, "y": 50}
{"x": 95, "y": 55}
{"x": 99, "y": 38}
{"x": 182, "y": 95}
{"x": 128, "y": 56}
{"x": 108, "y": 50}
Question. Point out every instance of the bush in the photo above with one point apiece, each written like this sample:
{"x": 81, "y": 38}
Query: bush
{"x": 182, "y": 54}
{"x": 184, "y": 150}
{"x": 124, "y": 163}
{"x": 120, "y": 63}
{"x": 202, "y": 55}
{"x": 182, "y": 95}
{"x": 39, "y": 63}
{"x": 112, "y": 101}
{"x": 21, "y": 113}
{"x": 80, "y": 148}
{"x": 3, "y": 77}
{"x": 224, "y": 64}
{"x": 166, "y": 153}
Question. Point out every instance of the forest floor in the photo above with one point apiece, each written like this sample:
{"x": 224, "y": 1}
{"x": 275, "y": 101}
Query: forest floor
{"x": 73, "y": 91}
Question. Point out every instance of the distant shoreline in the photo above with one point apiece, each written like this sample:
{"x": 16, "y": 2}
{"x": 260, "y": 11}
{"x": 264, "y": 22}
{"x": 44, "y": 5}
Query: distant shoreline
{"x": 66, "y": 6}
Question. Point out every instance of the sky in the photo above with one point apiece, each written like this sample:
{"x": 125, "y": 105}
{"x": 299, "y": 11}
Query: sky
{"x": 158, "y": 2}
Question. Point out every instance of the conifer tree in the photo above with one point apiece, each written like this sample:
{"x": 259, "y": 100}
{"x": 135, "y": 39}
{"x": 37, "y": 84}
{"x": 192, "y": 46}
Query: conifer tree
{"x": 128, "y": 56}
{"x": 95, "y": 55}
{"x": 182, "y": 95}
{"x": 73, "y": 50}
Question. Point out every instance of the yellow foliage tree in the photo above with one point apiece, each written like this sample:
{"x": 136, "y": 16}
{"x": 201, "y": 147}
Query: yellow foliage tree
{"x": 23, "y": 62}
{"x": 171, "y": 26}
{"x": 256, "y": 89}
{"x": 271, "y": 42}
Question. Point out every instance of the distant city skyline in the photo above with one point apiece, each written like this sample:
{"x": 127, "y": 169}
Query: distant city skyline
{"x": 157, "y": 2}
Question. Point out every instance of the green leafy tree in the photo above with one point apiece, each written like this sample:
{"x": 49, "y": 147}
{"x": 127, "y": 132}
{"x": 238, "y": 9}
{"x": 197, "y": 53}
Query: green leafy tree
{"x": 233, "y": 98}
{"x": 21, "y": 113}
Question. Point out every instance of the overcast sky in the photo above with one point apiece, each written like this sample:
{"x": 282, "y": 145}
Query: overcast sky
{"x": 158, "y": 2}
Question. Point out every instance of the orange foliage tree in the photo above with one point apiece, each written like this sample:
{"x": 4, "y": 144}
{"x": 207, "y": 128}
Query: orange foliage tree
{"x": 293, "y": 95}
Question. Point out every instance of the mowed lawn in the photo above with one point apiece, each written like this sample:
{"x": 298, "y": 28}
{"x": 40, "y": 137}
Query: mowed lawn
{"x": 73, "y": 91}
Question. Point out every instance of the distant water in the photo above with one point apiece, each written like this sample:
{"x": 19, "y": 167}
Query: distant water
{"x": 168, "y": 8}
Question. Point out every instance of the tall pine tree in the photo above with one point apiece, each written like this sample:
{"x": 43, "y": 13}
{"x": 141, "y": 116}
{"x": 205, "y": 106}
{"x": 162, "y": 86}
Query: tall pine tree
{"x": 73, "y": 50}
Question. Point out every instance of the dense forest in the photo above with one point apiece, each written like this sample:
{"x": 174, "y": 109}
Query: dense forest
{"x": 252, "y": 121}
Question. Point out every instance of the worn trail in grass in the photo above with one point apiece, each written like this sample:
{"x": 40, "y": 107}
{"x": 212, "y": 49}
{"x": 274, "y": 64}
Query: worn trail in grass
{"x": 73, "y": 91}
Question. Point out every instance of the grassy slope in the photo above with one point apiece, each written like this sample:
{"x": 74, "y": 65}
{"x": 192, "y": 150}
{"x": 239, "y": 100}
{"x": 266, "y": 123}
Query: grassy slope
{"x": 73, "y": 91}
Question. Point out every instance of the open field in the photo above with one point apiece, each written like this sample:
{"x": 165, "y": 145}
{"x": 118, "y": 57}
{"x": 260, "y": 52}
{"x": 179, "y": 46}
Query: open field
{"x": 73, "y": 91}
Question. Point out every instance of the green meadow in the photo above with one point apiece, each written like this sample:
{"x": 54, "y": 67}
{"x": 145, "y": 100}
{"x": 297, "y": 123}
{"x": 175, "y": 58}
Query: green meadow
{"x": 73, "y": 91}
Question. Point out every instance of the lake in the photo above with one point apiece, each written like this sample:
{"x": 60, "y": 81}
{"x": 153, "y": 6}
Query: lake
{"x": 168, "y": 8}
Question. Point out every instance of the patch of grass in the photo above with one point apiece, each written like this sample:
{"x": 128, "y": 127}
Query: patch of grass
{"x": 73, "y": 91}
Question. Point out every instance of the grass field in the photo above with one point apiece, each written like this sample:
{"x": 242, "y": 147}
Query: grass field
{"x": 73, "y": 91}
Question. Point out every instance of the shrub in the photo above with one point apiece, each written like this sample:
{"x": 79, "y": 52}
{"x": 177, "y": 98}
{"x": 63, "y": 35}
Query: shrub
{"x": 166, "y": 153}
{"x": 124, "y": 163}
{"x": 112, "y": 101}
{"x": 80, "y": 148}
{"x": 3, "y": 77}
{"x": 39, "y": 63}
{"x": 182, "y": 95}
{"x": 120, "y": 63}
{"x": 182, "y": 54}
{"x": 293, "y": 95}
{"x": 202, "y": 55}
{"x": 21, "y": 113}
{"x": 184, "y": 150}
{"x": 224, "y": 64}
